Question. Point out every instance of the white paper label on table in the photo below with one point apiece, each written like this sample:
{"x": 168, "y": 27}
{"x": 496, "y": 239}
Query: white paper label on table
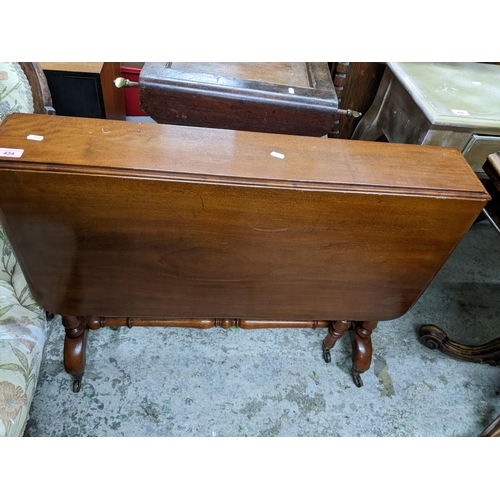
{"x": 11, "y": 153}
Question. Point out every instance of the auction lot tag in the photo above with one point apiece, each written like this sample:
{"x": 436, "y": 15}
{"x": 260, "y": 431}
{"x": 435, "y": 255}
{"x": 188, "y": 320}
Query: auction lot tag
{"x": 11, "y": 153}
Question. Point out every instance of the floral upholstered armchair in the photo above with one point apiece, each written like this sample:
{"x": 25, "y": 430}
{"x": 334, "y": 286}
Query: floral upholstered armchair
{"x": 23, "y": 89}
{"x": 22, "y": 337}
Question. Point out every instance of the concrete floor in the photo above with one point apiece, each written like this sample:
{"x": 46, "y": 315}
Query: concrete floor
{"x": 188, "y": 382}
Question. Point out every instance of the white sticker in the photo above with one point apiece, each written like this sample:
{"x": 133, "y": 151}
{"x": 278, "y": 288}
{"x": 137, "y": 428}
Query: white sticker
{"x": 291, "y": 91}
{"x": 33, "y": 137}
{"x": 277, "y": 155}
{"x": 460, "y": 112}
{"x": 11, "y": 153}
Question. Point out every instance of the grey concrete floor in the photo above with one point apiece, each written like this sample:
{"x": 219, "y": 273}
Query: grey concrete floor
{"x": 149, "y": 381}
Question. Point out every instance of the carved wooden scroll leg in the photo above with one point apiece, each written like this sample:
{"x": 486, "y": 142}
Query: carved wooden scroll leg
{"x": 434, "y": 338}
{"x": 493, "y": 430}
{"x": 74, "y": 348}
{"x": 489, "y": 353}
{"x": 335, "y": 330}
{"x": 361, "y": 348}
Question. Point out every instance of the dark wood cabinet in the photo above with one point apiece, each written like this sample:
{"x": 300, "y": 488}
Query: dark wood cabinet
{"x": 275, "y": 97}
{"x": 85, "y": 89}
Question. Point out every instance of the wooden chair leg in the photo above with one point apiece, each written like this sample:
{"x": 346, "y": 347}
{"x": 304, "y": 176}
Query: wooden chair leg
{"x": 434, "y": 337}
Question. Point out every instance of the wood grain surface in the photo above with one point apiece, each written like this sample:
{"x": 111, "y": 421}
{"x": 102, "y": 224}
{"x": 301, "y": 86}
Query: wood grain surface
{"x": 294, "y": 74}
{"x": 284, "y": 98}
{"x": 126, "y": 219}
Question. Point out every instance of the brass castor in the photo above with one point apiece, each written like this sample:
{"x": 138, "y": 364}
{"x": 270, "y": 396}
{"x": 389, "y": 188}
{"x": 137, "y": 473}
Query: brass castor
{"x": 356, "y": 377}
{"x": 77, "y": 383}
{"x": 326, "y": 354}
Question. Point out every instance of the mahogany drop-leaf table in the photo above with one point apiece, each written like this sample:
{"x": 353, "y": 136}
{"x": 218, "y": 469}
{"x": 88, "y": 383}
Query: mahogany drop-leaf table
{"x": 123, "y": 223}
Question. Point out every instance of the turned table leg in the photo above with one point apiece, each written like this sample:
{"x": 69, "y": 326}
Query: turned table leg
{"x": 335, "y": 330}
{"x": 74, "y": 348}
{"x": 361, "y": 348}
{"x": 361, "y": 342}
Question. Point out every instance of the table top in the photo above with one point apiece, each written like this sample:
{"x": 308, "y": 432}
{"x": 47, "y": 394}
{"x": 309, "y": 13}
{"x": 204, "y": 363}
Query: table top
{"x": 291, "y": 74}
{"x": 292, "y": 81}
{"x": 459, "y": 94}
{"x": 115, "y": 147}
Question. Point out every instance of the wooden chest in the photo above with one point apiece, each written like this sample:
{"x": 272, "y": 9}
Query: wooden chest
{"x": 120, "y": 219}
{"x": 286, "y": 98}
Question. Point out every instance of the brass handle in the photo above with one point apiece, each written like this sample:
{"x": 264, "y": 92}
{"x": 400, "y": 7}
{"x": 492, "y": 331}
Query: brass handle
{"x": 124, "y": 82}
{"x": 350, "y": 113}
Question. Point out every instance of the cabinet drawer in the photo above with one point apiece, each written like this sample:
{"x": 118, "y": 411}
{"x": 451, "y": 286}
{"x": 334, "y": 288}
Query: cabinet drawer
{"x": 477, "y": 150}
